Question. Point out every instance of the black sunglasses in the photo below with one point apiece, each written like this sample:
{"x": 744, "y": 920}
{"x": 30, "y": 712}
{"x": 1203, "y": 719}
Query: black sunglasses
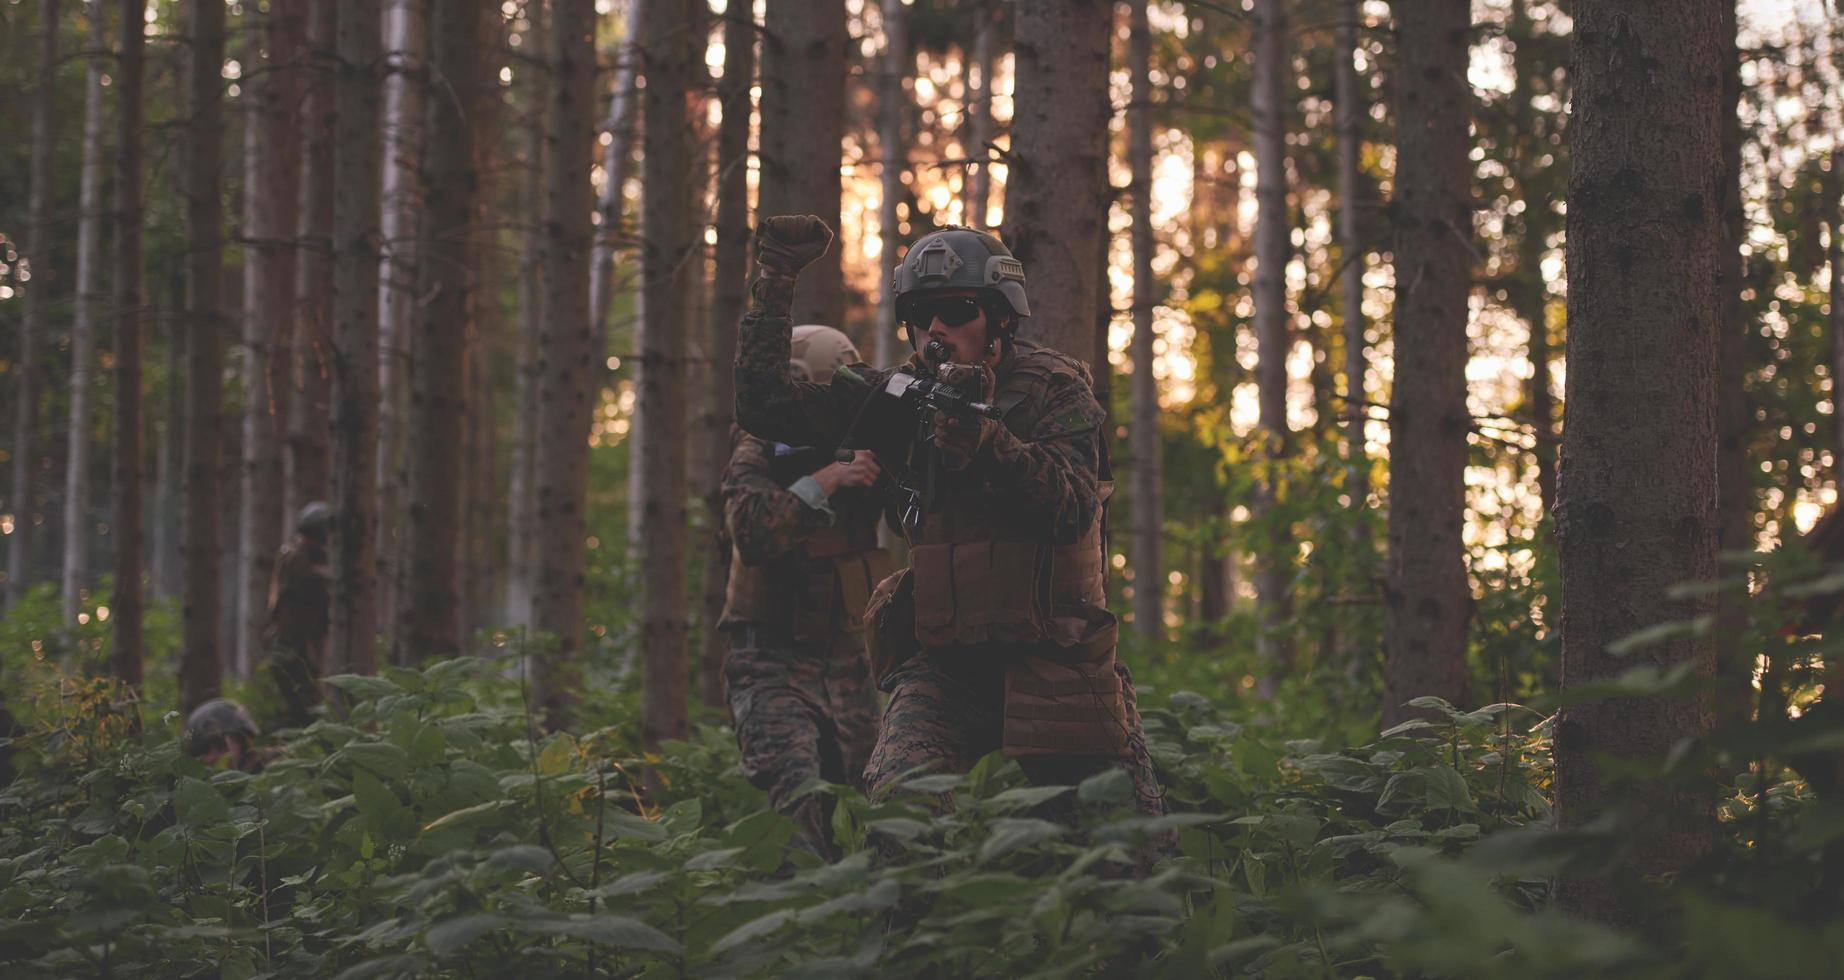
{"x": 955, "y": 311}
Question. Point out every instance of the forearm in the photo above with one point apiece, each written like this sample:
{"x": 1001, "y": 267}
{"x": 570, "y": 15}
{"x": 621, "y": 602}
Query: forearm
{"x": 1054, "y": 481}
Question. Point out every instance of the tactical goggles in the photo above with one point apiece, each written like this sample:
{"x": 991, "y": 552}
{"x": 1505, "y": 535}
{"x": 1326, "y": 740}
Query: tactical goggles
{"x": 954, "y": 311}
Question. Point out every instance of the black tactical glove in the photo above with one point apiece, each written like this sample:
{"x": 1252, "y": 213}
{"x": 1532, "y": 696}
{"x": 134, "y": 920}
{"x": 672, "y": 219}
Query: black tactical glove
{"x": 785, "y": 244}
{"x": 960, "y": 438}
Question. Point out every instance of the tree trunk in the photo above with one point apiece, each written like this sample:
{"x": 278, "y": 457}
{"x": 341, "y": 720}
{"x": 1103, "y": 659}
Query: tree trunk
{"x": 521, "y": 516}
{"x": 309, "y": 434}
{"x": 1267, "y": 92}
{"x": 674, "y": 29}
{"x": 126, "y": 605}
{"x": 979, "y": 116}
{"x": 1529, "y": 294}
{"x": 406, "y": 85}
{"x": 566, "y": 375}
{"x": 1636, "y": 504}
{"x": 615, "y": 164}
{"x": 1148, "y": 559}
{"x": 1734, "y": 480}
{"x": 803, "y": 130}
{"x": 482, "y": 572}
{"x": 729, "y": 266}
{"x": 38, "y": 242}
{"x": 1836, "y": 262}
{"x": 168, "y": 568}
{"x": 892, "y": 106}
{"x": 1352, "y": 107}
{"x": 352, "y": 635}
{"x": 429, "y": 620}
{"x": 201, "y": 666}
{"x": 1056, "y": 207}
{"x": 90, "y": 205}
{"x": 1427, "y": 598}
{"x": 271, "y": 204}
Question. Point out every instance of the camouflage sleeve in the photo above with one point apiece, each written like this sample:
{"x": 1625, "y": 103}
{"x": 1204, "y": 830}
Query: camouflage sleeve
{"x": 766, "y": 521}
{"x": 1053, "y": 475}
{"x": 769, "y": 402}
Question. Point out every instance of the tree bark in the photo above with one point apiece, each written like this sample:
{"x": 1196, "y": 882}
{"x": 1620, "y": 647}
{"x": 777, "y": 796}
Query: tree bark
{"x": 429, "y": 620}
{"x": 352, "y": 636}
{"x": 565, "y": 372}
{"x": 1427, "y": 597}
{"x": 615, "y": 165}
{"x": 406, "y": 87}
{"x": 1351, "y": 108}
{"x": 673, "y": 31}
{"x": 729, "y": 268}
{"x": 1057, "y": 194}
{"x": 1735, "y": 692}
{"x": 803, "y": 130}
{"x": 39, "y": 207}
{"x": 168, "y": 568}
{"x": 521, "y": 516}
{"x": 1636, "y": 504}
{"x": 309, "y": 434}
{"x": 201, "y": 666}
{"x": 892, "y": 105}
{"x": 272, "y": 177}
{"x": 90, "y": 206}
{"x": 979, "y": 116}
{"x": 126, "y": 604}
{"x": 1529, "y": 294}
{"x": 1836, "y": 263}
{"x": 1148, "y": 558}
{"x": 1274, "y": 562}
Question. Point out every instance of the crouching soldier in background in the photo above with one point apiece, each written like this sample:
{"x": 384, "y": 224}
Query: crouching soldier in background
{"x": 295, "y": 637}
{"x": 804, "y": 559}
{"x": 221, "y": 731}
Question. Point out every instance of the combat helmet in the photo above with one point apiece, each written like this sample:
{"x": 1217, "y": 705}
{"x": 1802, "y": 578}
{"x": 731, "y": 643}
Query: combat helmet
{"x": 818, "y": 350}
{"x": 314, "y": 521}
{"x": 215, "y": 720}
{"x": 961, "y": 258}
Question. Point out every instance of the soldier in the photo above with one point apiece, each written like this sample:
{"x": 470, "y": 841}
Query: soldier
{"x": 998, "y": 635}
{"x": 296, "y": 633}
{"x": 220, "y": 730}
{"x": 804, "y": 560}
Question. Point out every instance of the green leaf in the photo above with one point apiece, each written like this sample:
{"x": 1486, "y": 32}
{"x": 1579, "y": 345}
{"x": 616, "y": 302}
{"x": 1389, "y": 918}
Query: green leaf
{"x": 447, "y": 937}
{"x": 753, "y": 930}
{"x": 382, "y": 758}
{"x": 198, "y": 804}
{"x": 429, "y": 748}
{"x": 901, "y": 828}
{"x": 713, "y": 860}
{"x": 1446, "y": 788}
{"x": 1025, "y": 797}
{"x": 522, "y": 857}
{"x": 376, "y": 801}
{"x": 1661, "y": 633}
{"x": 466, "y": 812}
{"x": 623, "y": 825}
{"x": 1431, "y": 703}
{"x": 1009, "y": 835}
{"x": 554, "y": 758}
{"x": 615, "y": 930}
{"x": 939, "y": 783}
{"x": 363, "y": 688}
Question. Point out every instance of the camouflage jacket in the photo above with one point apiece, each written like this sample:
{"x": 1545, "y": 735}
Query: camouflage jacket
{"x": 299, "y": 596}
{"x": 1042, "y": 465}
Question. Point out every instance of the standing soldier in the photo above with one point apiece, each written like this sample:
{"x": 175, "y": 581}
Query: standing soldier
{"x": 803, "y": 563}
{"x": 295, "y": 636}
{"x": 998, "y": 636}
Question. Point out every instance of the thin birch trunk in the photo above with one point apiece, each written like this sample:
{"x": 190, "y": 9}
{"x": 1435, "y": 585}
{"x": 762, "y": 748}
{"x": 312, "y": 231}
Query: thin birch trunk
{"x": 406, "y": 85}
{"x": 352, "y": 635}
{"x": 892, "y": 106}
{"x": 201, "y": 665}
{"x": 1274, "y": 560}
{"x": 126, "y": 604}
{"x": 39, "y": 207}
{"x": 1148, "y": 559}
{"x": 566, "y": 377}
{"x": 615, "y": 165}
{"x": 522, "y": 510}
{"x": 90, "y": 206}
{"x": 271, "y": 205}
{"x": 1351, "y": 108}
{"x": 979, "y": 111}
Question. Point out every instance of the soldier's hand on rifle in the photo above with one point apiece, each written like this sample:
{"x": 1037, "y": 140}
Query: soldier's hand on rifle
{"x": 960, "y": 438}
{"x": 861, "y": 471}
{"x": 787, "y": 243}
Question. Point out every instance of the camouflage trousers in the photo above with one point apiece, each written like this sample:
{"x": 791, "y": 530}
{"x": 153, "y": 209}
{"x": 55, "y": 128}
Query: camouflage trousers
{"x": 801, "y": 714}
{"x": 944, "y": 715}
{"x": 291, "y": 685}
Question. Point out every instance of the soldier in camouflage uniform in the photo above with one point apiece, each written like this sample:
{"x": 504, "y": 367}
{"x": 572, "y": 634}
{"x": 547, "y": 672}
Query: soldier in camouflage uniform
{"x": 804, "y": 559}
{"x": 295, "y": 636}
{"x": 998, "y": 636}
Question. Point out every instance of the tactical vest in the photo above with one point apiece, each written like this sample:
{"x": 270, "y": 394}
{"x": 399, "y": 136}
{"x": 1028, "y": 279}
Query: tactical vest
{"x": 819, "y": 591}
{"x": 977, "y": 580}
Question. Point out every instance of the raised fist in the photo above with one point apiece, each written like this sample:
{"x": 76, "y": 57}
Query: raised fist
{"x": 786, "y": 243}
